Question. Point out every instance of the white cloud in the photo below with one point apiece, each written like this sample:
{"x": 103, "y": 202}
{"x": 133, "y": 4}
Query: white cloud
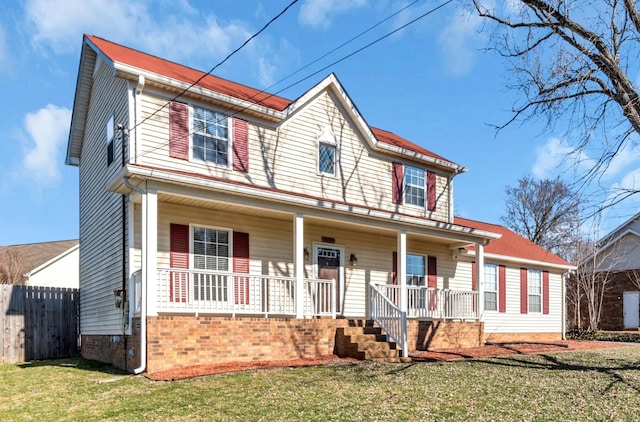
{"x": 556, "y": 157}
{"x": 318, "y": 13}
{"x": 47, "y": 130}
{"x": 458, "y": 41}
{"x": 627, "y": 155}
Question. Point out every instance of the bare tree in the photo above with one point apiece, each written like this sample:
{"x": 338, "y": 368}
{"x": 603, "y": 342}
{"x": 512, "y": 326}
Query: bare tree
{"x": 573, "y": 59}
{"x": 547, "y": 212}
{"x": 12, "y": 266}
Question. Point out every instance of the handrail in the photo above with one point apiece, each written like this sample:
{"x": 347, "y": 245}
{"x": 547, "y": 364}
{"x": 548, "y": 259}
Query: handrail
{"x": 389, "y": 317}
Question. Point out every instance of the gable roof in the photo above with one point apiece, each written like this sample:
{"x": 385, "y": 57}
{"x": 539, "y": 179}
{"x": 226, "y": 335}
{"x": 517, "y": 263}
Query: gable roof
{"x": 34, "y": 255}
{"x": 513, "y": 245}
{"x": 131, "y": 62}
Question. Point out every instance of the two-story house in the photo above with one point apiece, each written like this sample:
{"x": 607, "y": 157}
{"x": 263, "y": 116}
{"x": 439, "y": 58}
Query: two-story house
{"x": 220, "y": 223}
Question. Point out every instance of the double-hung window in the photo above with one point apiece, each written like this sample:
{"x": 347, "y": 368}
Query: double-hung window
{"x": 534, "y": 283}
{"x": 416, "y": 277}
{"x": 210, "y": 136}
{"x": 490, "y": 287}
{"x": 211, "y": 251}
{"x": 414, "y": 186}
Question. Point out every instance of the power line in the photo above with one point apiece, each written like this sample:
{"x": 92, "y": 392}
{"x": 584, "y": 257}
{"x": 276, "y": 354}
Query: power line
{"x": 247, "y": 41}
{"x": 377, "y": 40}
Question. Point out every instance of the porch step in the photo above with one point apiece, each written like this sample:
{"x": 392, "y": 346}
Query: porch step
{"x": 367, "y": 342}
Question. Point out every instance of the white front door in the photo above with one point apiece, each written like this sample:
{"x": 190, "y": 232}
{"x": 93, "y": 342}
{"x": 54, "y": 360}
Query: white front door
{"x": 630, "y": 305}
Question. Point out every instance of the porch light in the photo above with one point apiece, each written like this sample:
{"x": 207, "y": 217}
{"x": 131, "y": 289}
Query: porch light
{"x": 353, "y": 259}
{"x": 306, "y": 254}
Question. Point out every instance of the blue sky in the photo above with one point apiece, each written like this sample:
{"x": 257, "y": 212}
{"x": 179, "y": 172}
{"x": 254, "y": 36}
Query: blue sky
{"x": 432, "y": 83}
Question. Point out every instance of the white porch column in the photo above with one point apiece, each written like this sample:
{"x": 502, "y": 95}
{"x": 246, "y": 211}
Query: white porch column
{"x": 298, "y": 263}
{"x": 402, "y": 270}
{"x": 480, "y": 278}
{"x": 150, "y": 250}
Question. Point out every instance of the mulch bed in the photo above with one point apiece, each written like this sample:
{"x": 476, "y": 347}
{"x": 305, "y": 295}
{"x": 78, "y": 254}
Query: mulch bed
{"x": 491, "y": 350}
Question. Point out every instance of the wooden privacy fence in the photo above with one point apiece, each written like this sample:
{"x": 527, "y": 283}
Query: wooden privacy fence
{"x": 38, "y": 323}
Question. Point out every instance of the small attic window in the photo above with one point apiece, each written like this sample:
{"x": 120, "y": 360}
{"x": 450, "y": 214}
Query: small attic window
{"x": 326, "y": 152}
{"x": 110, "y": 140}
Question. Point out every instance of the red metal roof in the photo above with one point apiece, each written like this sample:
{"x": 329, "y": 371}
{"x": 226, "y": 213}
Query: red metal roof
{"x": 511, "y": 244}
{"x": 120, "y": 54}
{"x": 125, "y": 55}
{"x": 398, "y": 141}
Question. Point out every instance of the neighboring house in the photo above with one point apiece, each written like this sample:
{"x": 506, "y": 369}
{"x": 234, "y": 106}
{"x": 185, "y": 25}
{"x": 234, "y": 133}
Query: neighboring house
{"x": 220, "y": 223}
{"x": 617, "y": 261}
{"x": 45, "y": 264}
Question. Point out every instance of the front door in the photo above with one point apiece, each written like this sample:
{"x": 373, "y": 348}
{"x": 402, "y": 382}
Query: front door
{"x": 328, "y": 259}
{"x": 630, "y": 305}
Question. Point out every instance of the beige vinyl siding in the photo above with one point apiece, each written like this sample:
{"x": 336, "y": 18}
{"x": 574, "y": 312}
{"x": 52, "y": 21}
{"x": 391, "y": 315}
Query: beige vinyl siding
{"x": 622, "y": 255}
{"x": 286, "y": 158}
{"x": 512, "y": 321}
{"x": 100, "y": 210}
{"x": 62, "y": 271}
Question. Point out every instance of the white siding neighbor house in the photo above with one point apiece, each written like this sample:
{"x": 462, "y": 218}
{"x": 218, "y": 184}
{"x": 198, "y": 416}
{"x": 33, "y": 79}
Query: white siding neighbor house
{"x": 43, "y": 264}
{"x": 220, "y": 223}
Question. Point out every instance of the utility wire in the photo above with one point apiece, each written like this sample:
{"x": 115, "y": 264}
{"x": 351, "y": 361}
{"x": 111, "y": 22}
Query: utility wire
{"x": 247, "y": 41}
{"x": 429, "y": 12}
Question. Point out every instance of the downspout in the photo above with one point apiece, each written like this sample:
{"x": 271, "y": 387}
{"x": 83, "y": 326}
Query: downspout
{"x": 143, "y": 297}
{"x": 565, "y": 275}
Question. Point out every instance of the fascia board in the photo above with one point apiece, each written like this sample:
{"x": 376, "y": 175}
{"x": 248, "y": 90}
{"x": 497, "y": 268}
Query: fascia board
{"x": 131, "y": 72}
{"x": 523, "y": 261}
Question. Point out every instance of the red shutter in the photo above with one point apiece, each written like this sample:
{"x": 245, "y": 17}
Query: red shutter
{"x": 431, "y": 191}
{"x": 241, "y": 265}
{"x": 179, "y": 259}
{"x": 545, "y": 292}
{"x": 179, "y": 130}
{"x": 524, "y": 292}
{"x": 398, "y": 183}
{"x": 502, "y": 289}
{"x": 432, "y": 281}
{"x": 240, "y": 145}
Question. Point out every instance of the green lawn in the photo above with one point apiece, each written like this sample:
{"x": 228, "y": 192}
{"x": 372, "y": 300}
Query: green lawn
{"x": 593, "y": 385}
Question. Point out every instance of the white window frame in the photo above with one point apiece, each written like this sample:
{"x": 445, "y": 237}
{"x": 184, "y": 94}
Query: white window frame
{"x": 193, "y": 133}
{"x": 110, "y": 138}
{"x": 192, "y": 261}
{"x": 406, "y": 185}
{"x": 531, "y": 292}
{"x": 335, "y": 160}
{"x": 491, "y": 285}
{"x": 410, "y": 274}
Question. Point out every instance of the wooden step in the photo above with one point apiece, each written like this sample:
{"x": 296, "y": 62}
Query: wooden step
{"x": 367, "y": 342}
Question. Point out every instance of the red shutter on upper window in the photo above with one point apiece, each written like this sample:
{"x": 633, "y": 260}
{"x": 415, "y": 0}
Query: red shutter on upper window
{"x": 524, "y": 292}
{"x": 241, "y": 265}
{"x": 240, "y": 145}
{"x": 179, "y": 130}
{"x": 545, "y": 292}
{"x": 398, "y": 183}
{"x": 179, "y": 259}
{"x": 502, "y": 288}
{"x": 431, "y": 191}
{"x": 432, "y": 281}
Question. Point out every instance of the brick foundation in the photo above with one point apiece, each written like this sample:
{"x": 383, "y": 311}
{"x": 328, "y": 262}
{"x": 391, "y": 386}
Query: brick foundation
{"x": 114, "y": 349}
{"x": 523, "y": 338}
{"x": 424, "y": 335}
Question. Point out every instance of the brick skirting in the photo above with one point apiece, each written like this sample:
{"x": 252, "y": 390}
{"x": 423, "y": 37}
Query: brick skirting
{"x": 180, "y": 341}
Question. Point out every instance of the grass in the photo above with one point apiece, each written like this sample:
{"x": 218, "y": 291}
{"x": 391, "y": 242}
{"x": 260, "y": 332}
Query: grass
{"x": 589, "y": 385}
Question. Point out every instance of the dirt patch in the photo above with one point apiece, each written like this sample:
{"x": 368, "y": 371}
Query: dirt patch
{"x": 491, "y": 350}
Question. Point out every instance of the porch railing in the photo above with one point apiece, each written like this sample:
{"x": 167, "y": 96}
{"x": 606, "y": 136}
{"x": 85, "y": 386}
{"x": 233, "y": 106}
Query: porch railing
{"x": 425, "y": 302}
{"x": 388, "y": 315}
{"x": 200, "y": 291}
